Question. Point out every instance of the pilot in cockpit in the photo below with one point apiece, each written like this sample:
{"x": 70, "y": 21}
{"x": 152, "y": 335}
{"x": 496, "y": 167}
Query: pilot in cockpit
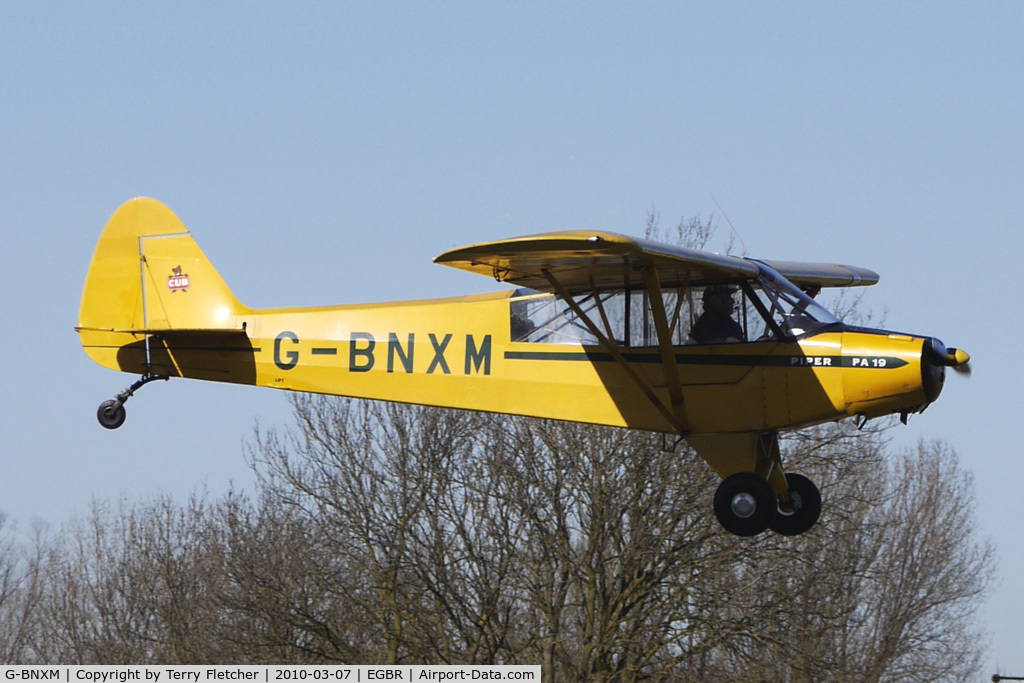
{"x": 716, "y": 325}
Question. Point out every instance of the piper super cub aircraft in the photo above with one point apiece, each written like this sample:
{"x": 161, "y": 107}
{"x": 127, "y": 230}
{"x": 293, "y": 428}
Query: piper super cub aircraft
{"x": 604, "y": 329}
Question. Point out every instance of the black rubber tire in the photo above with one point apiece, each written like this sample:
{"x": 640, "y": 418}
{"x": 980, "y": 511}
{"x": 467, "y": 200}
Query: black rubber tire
{"x": 765, "y": 502}
{"x": 111, "y": 415}
{"x": 806, "y": 507}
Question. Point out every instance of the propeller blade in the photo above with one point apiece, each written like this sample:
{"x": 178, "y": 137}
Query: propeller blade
{"x": 964, "y": 369}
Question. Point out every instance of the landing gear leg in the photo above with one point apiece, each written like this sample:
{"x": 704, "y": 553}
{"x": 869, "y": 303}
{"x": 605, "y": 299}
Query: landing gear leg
{"x": 799, "y": 501}
{"x": 111, "y": 414}
{"x": 802, "y": 510}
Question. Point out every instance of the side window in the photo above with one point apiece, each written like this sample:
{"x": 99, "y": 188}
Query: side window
{"x": 545, "y": 319}
{"x": 716, "y": 314}
{"x": 767, "y": 308}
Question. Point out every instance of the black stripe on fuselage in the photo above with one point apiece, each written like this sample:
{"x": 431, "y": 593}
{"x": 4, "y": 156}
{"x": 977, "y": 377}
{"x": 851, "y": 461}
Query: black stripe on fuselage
{"x": 745, "y": 360}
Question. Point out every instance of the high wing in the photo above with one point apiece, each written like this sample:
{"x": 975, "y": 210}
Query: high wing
{"x": 583, "y": 261}
{"x": 807, "y": 275}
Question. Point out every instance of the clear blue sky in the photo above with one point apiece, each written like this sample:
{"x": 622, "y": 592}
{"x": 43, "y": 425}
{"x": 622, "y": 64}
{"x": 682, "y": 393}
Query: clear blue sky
{"x": 325, "y": 152}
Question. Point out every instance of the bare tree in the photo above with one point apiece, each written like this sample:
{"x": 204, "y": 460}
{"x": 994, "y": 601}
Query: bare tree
{"x": 928, "y": 576}
{"x": 392, "y": 533}
{"x": 592, "y": 550}
{"x": 128, "y": 584}
{"x": 612, "y": 521}
{"x": 383, "y": 487}
{"x": 20, "y": 590}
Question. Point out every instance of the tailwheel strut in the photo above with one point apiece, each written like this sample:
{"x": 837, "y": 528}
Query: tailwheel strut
{"x": 111, "y": 414}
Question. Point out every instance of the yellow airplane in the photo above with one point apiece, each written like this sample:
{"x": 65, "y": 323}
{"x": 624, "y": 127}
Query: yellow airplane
{"x": 602, "y": 328}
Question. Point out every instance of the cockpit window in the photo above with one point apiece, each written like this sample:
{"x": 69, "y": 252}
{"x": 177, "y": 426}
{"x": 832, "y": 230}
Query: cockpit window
{"x": 790, "y": 311}
{"x": 768, "y": 307}
{"x": 624, "y": 316}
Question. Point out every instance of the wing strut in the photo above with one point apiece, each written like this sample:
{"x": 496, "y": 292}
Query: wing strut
{"x": 674, "y": 416}
{"x": 668, "y": 356}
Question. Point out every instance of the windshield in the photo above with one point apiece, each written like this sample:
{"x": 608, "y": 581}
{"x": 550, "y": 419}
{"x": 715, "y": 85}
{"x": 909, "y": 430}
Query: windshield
{"x": 792, "y": 312}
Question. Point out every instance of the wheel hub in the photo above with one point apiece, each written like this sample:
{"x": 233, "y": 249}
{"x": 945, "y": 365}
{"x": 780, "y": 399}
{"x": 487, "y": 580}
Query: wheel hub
{"x": 743, "y": 505}
{"x": 794, "y": 505}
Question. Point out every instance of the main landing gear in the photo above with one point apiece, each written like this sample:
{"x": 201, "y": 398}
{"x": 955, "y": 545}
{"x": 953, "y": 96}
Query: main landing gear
{"x": 111, "y": 413}
{"x": 746, "y": 505}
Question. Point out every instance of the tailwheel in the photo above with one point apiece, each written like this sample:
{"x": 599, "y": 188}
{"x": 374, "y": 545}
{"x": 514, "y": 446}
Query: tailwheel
{"x": 745, "y": 504}
{"x": 803, "y": 509}
{"x": 111, "y": 414}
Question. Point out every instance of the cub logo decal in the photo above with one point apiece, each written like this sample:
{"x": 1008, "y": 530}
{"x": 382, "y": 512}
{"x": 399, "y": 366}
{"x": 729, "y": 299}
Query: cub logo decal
{"x": 178, "y": 282}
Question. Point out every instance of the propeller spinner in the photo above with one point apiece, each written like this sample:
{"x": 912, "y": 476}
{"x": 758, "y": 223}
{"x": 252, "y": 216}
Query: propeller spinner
{"x": 935, "y": 358}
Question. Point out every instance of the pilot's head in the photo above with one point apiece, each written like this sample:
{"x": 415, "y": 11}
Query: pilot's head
{"x": 718, "y": 298}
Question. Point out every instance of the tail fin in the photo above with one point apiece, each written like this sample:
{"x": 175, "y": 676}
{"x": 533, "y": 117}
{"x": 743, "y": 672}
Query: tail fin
{"x": 148, "y": 275}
